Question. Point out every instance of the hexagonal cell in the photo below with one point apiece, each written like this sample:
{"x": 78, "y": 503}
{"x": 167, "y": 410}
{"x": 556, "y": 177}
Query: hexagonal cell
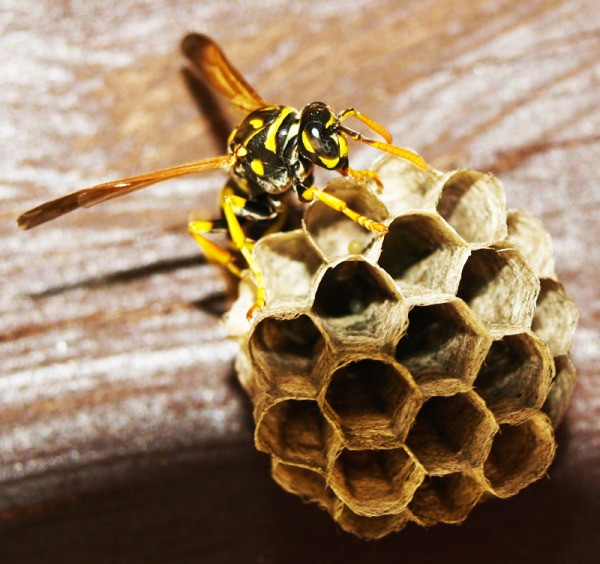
{"x": 561, "y": 390}
{"x": 303, "y": 482}
{"x": 520, "y": 455}
{"x": 501, "y": 289}
{"x": 443, "y": 348}
{"x": 452, "y": 434}
{"x": 528, "y": 235}
{"x": 407, "y": 187}
{"x": 285, "y": 354}
{"x": 555, "y": 317}
{"x": 372, "y": 403}
{"x": 474, "y": 204}
{"x": 515, "y": 377}
{"x": 357, "y": 300}
{"x": 375, "y": 482}
{"x": 370, "y": 527}
{"x": 333, "y": 234}
{"x": 289, "y": 263}
{"x": 294, "y": 431}
{"x": 446, "y": 499}
{"x": 422, "y": 255}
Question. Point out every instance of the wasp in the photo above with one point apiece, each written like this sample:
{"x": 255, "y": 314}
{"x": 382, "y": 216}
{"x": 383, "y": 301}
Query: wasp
{"x": 274, "y": 149}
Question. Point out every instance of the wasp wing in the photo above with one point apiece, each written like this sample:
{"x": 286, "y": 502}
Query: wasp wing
{"x": 212, "y": 65}
{"x": 89, "y": 197}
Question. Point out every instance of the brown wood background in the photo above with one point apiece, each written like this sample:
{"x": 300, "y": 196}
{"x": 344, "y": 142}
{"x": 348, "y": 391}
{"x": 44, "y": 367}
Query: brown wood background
{"x": 123, "y": 435}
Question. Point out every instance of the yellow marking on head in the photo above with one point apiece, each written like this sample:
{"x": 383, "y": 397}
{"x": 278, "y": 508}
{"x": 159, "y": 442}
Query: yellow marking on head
{"x": 256, "y": 123}
{"x": 330, "y": 121}
{"x": 257, "y": 167}
{"x": 306, "y": 142}
{"x": 330, "y": 163}
{"x": 271, "y": 140}
{"x": 241, "y": 151}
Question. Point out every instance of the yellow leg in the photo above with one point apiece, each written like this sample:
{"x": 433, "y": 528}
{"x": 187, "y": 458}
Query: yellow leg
{"x": 370, "y": 123}
{"x": 363, "y": 175}
{"x": 340, "y": 205}
{"x": 213, "y": 252}
{"x": 240, "y": 243}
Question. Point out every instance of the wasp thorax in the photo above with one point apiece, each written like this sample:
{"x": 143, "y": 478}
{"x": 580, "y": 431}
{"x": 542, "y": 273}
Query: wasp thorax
{"x": 320, "y": 140}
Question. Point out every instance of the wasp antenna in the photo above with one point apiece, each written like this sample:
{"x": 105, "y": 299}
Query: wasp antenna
{"x": 369, "y": 122}
{"x": 386, "y": 147}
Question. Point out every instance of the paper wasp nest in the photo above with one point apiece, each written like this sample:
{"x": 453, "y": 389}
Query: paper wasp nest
{"x": 408, "y": 377}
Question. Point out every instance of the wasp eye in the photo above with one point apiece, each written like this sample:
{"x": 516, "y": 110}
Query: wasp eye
{"x": 321, "y": 140}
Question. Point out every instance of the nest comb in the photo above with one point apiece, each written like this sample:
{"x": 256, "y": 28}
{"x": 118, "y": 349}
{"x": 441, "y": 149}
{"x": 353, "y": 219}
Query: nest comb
{"x": 406, "y": 378}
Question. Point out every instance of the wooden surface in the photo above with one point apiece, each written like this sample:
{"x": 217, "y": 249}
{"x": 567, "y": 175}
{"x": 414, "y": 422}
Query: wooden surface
{"x": 123, "y": 435}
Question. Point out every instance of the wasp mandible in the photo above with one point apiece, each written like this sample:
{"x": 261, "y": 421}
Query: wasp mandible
{"x": 275, "y": 148}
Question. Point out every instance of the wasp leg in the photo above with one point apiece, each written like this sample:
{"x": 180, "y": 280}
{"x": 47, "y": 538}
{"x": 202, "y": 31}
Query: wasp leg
{"x": 213, "y": 252}
{"x": 240, "y": 243}
{"x": 363, "y": 175}
{"x": 340, "y": 205}
{"x": 370, "y": 123}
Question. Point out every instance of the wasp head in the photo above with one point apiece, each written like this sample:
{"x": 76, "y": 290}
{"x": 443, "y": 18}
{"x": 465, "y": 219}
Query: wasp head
{"x": 321, "y": 142}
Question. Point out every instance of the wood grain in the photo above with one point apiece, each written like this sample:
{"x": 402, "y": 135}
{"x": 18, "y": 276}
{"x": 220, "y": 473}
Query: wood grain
{"x": 123, "y": 435}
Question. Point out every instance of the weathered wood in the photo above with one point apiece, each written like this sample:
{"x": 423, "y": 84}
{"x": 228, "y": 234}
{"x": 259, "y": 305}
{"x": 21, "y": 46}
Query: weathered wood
{"x": 123, "y": 435}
